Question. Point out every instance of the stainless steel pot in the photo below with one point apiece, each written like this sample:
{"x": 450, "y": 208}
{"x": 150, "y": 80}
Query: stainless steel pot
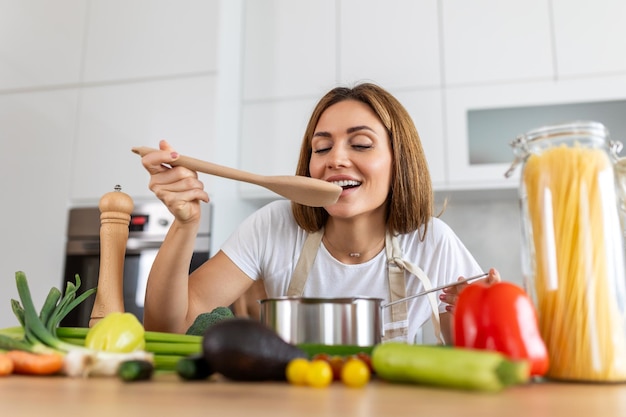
{"x": 329, "y": 321}
{"x": 353, "y": 321}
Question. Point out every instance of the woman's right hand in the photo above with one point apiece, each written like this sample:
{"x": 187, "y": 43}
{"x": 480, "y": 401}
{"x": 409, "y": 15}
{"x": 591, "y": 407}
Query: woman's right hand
{"x": 177, "y": 187}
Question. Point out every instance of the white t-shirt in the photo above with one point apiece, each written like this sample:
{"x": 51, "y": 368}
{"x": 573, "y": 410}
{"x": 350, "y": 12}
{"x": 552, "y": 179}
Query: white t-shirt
{"x": 267, "y": 245}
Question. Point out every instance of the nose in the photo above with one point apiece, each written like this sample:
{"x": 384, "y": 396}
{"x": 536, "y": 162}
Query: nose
{"x": 337, "y": 157}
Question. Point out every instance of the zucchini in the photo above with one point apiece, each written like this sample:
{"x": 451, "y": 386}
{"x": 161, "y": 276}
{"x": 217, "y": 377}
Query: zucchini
{"x": 135, "y": 370}
{"x": 193, "y": 367}
{"x": 460, "y": 368}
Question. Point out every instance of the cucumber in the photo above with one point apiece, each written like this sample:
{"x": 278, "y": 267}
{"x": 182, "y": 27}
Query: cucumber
{"x": 448, "y": 367}
{"x": 135, "y": 370}
{"x": 193, "y": 367}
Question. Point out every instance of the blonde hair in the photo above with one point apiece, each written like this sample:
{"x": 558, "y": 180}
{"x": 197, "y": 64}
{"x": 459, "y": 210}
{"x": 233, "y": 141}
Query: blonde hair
{"x": 410, "y": 199}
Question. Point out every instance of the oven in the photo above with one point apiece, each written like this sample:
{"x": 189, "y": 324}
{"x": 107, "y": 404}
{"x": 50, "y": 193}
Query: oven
{"x": 149, "y": 223}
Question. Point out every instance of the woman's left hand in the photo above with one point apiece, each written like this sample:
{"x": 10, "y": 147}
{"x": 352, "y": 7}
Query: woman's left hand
{"x": 451, "y": 294}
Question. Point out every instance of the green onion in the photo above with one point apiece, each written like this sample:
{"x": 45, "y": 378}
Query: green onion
{"x": 166, "y": 347}
{"x": 39, "y": 331}
{"x": 152, "y": 336}
{"x": 166, "y": 362}
{"x": 173, "y": 348}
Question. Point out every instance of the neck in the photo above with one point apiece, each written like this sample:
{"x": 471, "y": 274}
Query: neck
{"x": 353, "y": 244}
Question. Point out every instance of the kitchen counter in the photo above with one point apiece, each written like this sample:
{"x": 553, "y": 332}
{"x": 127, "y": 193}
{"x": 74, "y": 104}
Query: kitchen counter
{"x": 167, "y": 395}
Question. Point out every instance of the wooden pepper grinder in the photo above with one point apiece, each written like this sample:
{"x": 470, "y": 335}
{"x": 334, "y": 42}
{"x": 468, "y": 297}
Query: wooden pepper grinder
{"x": 115, "y": 210}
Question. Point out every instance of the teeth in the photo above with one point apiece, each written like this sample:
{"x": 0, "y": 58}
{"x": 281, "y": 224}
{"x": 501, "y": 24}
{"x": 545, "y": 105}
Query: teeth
{"x": 347, "y": 183}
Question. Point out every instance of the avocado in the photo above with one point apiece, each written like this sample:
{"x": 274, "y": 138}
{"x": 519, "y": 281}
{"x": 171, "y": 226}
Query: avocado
{"x": 244, "y": 349}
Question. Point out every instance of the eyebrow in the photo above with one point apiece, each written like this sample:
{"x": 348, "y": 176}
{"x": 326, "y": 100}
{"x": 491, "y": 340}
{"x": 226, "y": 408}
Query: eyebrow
{"x": 349, "y": 130}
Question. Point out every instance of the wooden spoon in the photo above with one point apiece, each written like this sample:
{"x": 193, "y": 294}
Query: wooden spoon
{"x": 304, "y": 190}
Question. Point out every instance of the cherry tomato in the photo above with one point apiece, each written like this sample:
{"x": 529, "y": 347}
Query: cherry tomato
{"x": 319, "y": 374}
{"x": 297, "y": 370}
{"x": 355, "y": 373}
{"x": 321, "y": 356}
{"x": 336, "y": 364}
{"x": 367, "y": 359}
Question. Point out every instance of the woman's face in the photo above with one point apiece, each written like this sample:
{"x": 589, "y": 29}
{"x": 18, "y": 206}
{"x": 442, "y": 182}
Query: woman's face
{"x": 351, "y": 148}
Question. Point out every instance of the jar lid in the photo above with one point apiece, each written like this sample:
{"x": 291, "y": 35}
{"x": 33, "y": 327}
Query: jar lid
{"x": 523, "y": 144}
{"x": 575, "y": 128}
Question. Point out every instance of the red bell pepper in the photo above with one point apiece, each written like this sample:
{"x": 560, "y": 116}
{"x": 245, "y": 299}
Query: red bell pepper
{"x": 500, "y": 317}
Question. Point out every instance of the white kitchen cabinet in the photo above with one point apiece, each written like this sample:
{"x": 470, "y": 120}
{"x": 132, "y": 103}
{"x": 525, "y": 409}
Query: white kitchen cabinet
{"x": 37, "y": 130}
{"x": 114, "y": 118}
{"x": 394, "y": 43}
{"x": 127, "y": 39}
{"x": 495, "y": 41}
{"x": 590, "y": 36}
{"x": 271, "y": 134}
{"x": 426, "y": 110}
{"x": 40, "y": 42}
{"x": 459, "y": 101}
{"x": 289, "y": 48}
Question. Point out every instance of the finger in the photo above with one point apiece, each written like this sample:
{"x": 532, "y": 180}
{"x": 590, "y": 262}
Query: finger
{"x": 159, "y": 161}
{"x": 171, "y": 186}
{"x": 494, "y": 276}
{"x": 448, "y": 298}
{"x": 165, "y": 146}
{"x": 455, "y": 288}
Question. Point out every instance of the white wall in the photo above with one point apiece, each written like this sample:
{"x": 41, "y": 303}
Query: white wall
{"x": 81, "y": 81}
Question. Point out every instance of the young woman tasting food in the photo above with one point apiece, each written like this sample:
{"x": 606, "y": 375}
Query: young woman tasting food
{"x": 380, "y": 239}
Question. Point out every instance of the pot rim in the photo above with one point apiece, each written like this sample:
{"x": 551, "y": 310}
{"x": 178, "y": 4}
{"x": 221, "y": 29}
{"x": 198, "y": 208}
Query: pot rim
{"x": 322, "y": 300}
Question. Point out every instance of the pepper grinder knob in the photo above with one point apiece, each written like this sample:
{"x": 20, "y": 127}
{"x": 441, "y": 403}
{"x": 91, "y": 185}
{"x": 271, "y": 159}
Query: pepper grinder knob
{"x": 115, "y": 210}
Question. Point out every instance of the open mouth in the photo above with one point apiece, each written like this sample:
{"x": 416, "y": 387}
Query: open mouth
{"x": 345, "y": 184}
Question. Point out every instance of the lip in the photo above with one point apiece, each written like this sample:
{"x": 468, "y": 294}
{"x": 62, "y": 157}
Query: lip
{"x": 341, "y": 178}
{"x": 345, "y": 191}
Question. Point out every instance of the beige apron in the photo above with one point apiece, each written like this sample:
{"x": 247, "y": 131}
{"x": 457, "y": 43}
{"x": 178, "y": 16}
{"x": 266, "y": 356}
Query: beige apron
{"x": 397, "y": 330}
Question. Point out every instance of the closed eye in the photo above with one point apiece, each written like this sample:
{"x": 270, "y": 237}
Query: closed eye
{"x": 322, "y": 150}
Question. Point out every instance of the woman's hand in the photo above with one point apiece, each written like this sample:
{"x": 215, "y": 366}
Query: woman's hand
{"x": 177, "y": 187}
{"x": 451, "y": 294}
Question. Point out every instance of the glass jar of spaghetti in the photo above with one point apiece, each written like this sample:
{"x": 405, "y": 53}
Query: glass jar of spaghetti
{"x": 573, "y": 248}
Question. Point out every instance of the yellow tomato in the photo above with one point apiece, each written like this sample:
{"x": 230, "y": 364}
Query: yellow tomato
{"x": 297, "y": 370}
{"x": 355, "y": 373}
{"x": 319, "y": 374}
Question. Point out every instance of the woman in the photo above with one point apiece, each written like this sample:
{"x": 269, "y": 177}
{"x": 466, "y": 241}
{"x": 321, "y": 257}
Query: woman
{"x": 380, "y": 239}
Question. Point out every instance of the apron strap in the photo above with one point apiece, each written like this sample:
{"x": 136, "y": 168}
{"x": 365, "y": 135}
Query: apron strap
{"x": 395, "y": 257}
{"x": 305, "y": 261}
{"x": 398, "y": 328}
{"x": 397, "y": 285}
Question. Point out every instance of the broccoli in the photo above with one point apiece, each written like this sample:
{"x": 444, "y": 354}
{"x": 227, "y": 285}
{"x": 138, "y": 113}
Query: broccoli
{"x": 206, "y": 320}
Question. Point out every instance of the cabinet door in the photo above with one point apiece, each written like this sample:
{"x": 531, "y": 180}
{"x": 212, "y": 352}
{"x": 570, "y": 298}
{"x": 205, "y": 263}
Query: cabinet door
{"x": 393, "y": 43}
{"x": 40, "y": 42}
{"x": 426, "y": 110}
{"x": 590, "y": 36}
{"x": 485, "y": 174}
{"x": 494, "y": 40}
{"x": 289, "y": 48}
{"x": 113, "y": 119}
{"x": 272, "y": 133}
{"x": 150, "y": 38}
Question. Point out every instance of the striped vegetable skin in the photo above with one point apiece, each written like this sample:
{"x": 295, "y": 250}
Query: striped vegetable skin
{"x": 447, "y": 367}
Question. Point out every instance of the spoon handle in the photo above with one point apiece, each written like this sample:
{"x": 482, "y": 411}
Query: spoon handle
{"x": 206, "y": 167}
{"x": 441, "y": 287}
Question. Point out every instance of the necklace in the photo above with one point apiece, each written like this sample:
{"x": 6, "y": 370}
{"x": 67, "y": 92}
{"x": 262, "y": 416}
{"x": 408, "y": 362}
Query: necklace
{"x": 354, "y": 254}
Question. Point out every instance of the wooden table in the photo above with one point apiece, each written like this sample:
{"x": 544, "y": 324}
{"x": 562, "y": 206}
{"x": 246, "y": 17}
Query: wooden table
{"x": 166, "y": 395}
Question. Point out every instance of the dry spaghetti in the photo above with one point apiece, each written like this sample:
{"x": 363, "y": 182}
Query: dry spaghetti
{"x": 579, "y": 262}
